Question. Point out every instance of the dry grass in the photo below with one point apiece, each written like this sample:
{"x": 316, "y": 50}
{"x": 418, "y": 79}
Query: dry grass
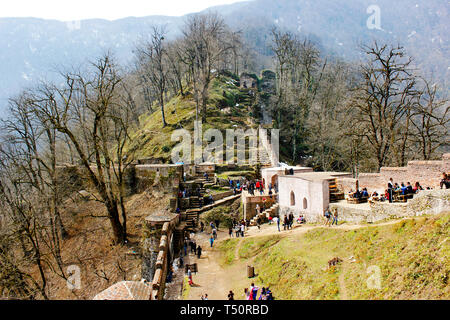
{"x": 89, "y": 246}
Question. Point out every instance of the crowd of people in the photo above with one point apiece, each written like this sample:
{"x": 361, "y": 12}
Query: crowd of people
{"x": 253, "y": 187}
{"x": 388, "y": 195}
{"x": 238, "y": 227}
{"x": 252, "y": 293}
{"x": 394, "y": 187}
{"x": 249, "y": 294}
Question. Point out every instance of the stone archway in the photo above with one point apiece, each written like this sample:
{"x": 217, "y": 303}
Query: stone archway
{"x": 305, "y": 204}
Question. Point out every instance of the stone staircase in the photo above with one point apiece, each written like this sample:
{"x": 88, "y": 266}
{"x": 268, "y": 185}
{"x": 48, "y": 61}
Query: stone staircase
{"x": 335, "y": 193}
{"x": 195, "y": 202}
{"x": 263, "y": 157}
{"x": 272, "y": 211}
{"x": 191, "y": 221}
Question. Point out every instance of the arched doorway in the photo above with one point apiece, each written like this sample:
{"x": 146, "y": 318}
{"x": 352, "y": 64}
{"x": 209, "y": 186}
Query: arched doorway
{"x": 305, "y": 204}
{"x": 292, "y": 198}
{"x": 274, "y": 180}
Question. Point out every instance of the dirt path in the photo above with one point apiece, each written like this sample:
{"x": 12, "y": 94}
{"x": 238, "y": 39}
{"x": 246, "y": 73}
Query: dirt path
{"x": 214, "y": 280}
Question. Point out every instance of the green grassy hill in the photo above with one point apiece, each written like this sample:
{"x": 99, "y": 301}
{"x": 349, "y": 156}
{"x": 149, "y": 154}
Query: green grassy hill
{"x": 413, "y": 256}
{"x": 151, "y": 140}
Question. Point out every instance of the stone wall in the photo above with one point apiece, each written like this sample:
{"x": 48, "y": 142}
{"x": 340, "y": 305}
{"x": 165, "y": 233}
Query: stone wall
{"x": 249, "y": 204}
{"x": 158, "y": 252}
{"x": 137, "y": 178}
{"x": 427, "y": 173}
{"x": 346, "y": 184}
{"x": 163, "y": 175}
{"x": 425, "y": 202}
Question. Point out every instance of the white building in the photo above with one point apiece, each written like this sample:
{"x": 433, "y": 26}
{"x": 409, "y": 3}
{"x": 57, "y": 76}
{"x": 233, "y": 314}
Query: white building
{"x": 270, "y": 175}
{"x": 308, "y": 193}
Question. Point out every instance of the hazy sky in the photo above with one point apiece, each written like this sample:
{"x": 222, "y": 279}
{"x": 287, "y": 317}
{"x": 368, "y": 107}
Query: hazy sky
{"x": 105, "y": 9}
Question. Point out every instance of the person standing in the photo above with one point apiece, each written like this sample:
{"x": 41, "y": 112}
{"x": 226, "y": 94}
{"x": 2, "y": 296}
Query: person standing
{"x": 242, "y": 230}
{"x": 285, "y": 222}
{"x": 263, "y": 295}
{"x": 230, "y": 232}
{"x": 390, "y": 189}
{"x": 257, "y": 209}
{"x": 202, "y": 226}
{"x": 185, "y": 248}
{"x": 199, "y": 252}
{"x": 211, "y": 241}
{"x": 247, "y": 294}
{"x": 231, "y": 295}
{"x": 214, "y": 232}
{"x": 253, "y": 291}
{"x": 217, "y": 221}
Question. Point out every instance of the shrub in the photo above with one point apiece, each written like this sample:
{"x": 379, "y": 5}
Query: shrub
{"x": 221, "y": 213}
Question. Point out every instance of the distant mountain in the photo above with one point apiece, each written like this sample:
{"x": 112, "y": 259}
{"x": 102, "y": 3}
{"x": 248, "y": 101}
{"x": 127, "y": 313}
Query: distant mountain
{"x": 32, "y": 49}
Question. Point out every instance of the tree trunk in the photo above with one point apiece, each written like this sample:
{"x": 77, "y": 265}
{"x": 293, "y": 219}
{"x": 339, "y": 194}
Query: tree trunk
{"x": 117, "y": 227}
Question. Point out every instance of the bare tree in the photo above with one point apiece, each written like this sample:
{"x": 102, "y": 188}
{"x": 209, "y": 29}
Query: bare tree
{"x": 206, "y": 40}
{"x": 152, "y": 58}
{"x": 385, "y": 98}
{"x": 430, "y": 120}
{"x": 95, "y": 117}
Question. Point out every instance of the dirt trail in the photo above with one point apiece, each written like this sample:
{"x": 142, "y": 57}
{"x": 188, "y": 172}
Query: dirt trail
{"x": 214, "y": 280}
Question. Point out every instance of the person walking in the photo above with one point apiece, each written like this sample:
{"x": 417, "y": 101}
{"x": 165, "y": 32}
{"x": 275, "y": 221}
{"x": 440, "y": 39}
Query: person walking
{"x": 231, "y": 295}
{"x": 277, "y": 221}
{"x": 327, "y": 215}
{"x": 253, "y": 291}
{"x": 202, "y": 226}
{"x": 211, "y": 241}
{"x": 230, "y": 232}
{"x": 191, "y": 282}
{"x": 214, "y": 232}
{"x": 291, "y": 220}
{"x": 335, "y": 217}
{"x": 242, "y": 230}
{"x": 237, "y": 230}
{"x": 285, "y": 222}
{"x": 199, "y": 252}
{"x": 185, "y": 248}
